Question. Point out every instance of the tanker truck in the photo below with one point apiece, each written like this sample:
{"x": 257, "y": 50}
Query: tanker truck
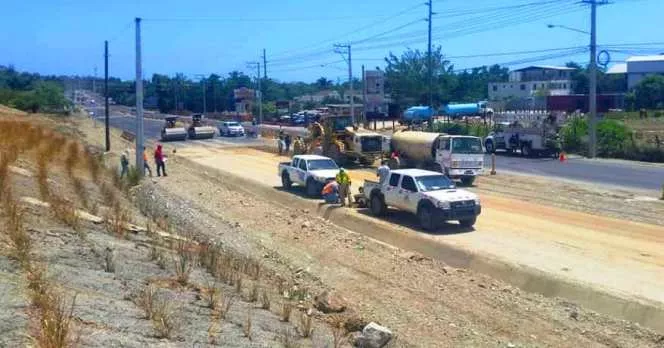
{"x": 417, "y": 115}
{"x": 467, "y": 109}
{"x": 460, "y": 157}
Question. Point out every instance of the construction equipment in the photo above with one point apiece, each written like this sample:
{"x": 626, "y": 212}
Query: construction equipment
{"x": 336, "y": 137}
{"x": 457, "y": 156}
{"x": 197, "y": 130}
{"x": 172, "y": 131}
{"x": 532, "y": 138}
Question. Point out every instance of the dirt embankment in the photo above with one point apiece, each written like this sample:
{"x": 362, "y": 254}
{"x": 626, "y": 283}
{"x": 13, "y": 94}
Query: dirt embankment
{"x": 427, "y": 303}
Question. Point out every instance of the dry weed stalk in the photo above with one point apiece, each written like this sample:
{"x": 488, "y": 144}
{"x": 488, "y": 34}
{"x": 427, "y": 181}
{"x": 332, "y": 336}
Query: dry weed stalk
{"x": 246, "y": 329}
{"x": 285, "y": 314}
{"x": 253, "y": 294}
{"x": 226, "y": 302}
{"x": 238, "y": 283}
{"x": 288, "y": 339}
{"x": 55, "y": 322}
{"x": 116, "y": 220}
{"x": 109, "y": 260}
{"x": 65, "y": 211}
{"x": 339, "y": 333}
{"x": 19, "y": 238}
{"x": 163, "y": 318}
{"x": 184, "y": 261}
{"x": 147, "y": 300}
{"x": 265, "y": 300}
{"x": 305, "y": 325}
{"x": 211, "y": 295}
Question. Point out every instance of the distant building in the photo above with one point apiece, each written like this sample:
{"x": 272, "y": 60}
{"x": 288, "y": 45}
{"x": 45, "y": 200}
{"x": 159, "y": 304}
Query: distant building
{"x": 376, "y": 103}
{"x": 532, "y": 81}
{"x": 318, "y": 97}
{"x": 636, "y": 68}
{"x": 244, "y": 99}
{"x": 357, "y": 94}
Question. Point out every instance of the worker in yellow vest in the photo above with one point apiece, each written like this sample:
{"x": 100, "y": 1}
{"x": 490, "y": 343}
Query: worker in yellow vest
{"x": 344, "y": 187}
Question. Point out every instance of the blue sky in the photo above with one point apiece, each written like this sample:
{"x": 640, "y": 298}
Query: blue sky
{"x": 206, "y": 36}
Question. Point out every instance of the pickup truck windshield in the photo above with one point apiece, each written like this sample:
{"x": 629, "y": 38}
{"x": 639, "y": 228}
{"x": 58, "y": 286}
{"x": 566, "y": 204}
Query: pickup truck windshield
{"x": 434, "y": 183}
{"x": 232, "y": 124}
{"x": 466, "y": 145}
{"x": 322, "y": 164}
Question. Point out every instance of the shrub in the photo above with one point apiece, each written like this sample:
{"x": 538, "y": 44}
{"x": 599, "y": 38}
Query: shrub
{"x": 611, "y": 138}
{"x": 572, "y": 134}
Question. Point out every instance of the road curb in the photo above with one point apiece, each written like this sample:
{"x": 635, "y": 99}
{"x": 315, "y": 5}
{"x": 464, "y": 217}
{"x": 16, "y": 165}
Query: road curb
{"x": 644, "y": 312}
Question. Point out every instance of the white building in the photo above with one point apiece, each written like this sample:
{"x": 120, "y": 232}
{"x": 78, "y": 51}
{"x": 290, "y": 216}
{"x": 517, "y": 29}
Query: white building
{"x": 636, "y": 68}
{"x": 318, "y": 97}
{"x": 533, "y": 81}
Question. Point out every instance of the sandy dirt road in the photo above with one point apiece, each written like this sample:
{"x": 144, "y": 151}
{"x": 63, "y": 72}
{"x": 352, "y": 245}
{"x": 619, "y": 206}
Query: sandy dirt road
{"x": 620, "y": 257}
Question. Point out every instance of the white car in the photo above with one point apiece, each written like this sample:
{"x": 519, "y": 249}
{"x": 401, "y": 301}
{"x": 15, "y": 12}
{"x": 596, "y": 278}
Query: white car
{"x": 231, "y": 128}
{"x": 432, "y": 196}
{"x": 310, "y": 171}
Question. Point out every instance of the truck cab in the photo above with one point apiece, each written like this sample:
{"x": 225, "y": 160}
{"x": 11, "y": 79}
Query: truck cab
{"x": 431, "y": 196}
{"x": 461, "y": 157}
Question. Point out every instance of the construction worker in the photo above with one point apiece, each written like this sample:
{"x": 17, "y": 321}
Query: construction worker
{"x": 146, "y": 166}
{"x": 344, "y": 186}
{"x": 280, "y": 143}
{"x": 383, "y": 171}
{"x": 331, "y": 192}
{"x": 160, "y": 160}
{"x": 124, "y": 163}
{"x": 298, "y": 146}
{"x": 287, "y": 143}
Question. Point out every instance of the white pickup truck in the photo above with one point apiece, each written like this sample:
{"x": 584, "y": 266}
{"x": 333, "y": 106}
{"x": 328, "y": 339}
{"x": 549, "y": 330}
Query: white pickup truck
{"x": 430, "y": 195}
{"x": 310, "y": 171}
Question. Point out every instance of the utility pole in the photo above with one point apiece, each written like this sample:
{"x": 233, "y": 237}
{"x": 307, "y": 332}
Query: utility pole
{"x": 593, "y": 79}
{"x": 94, "y": 80}
{"x": 364, "y": 95}
{"x": 108, "y": 136}
{"x": 264, "y": 65}
{"x": 204, "y": 82}
{"x": 139, "y": 101}
{"x": 259, "y": 94}
{"x": 341, "y": 49}
{"x": 429, "y": 57}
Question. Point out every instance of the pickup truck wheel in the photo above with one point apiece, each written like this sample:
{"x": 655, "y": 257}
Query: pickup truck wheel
{"x": 285, "y": 181}
{"x": 311, "y": 188}
{"x": 377, "y": 205}
{"x": 425, "y": 216}
{"x": 467, "y": 223}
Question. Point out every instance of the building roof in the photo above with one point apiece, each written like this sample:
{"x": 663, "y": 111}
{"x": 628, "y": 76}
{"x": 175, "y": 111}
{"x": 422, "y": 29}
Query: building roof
{"x": 618, "y": 68}
{"x": 654, "y": 58}
{"x": 550, "y": 67}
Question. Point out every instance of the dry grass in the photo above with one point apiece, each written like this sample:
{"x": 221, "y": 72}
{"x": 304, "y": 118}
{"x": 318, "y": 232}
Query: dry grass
{"x": 339, "y": 333}
{"x": 65, "y": 211}
{"x": 246, "y": 329}
{"x": 116, "y": 220}
{"x": 109, "y": 260}
{"x": 226, "y": 302}
{"x": 285, "y": 313}
{"x": 305, "y": 325}
{"x": 163, "y": 318}
{"x": 238, "y": 283}
{"x": 253, "y": 294}
{"x": 146, "y": 300}
{"x": 184, "y": 260}
{"x": 288, "y": 339}
{"x": 55, "y": 322}
{"x": 265, "y": 300}
{"x": 211, "y": 296}
{"x": 20, "y": 242}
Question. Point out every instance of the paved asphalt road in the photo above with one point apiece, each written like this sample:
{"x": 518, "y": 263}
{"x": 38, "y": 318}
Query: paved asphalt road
{"x": 603, "y": 172}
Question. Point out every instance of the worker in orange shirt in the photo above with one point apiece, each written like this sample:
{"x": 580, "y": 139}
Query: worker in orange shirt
{"x": 331, "y": 192}
{"x": 146, "y": 166}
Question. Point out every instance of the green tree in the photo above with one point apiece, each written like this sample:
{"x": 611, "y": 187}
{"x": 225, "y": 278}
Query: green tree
{"x": 649, "y": 93}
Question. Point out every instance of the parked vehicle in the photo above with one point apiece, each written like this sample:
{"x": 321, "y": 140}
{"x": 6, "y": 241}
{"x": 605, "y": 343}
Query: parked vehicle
{"x": 417, "y": 115}
{"x": 539, "y": 138}
{"x": 309, "y": 171}
{"x": 344, "y": 142}
{"x": 457, "y": 156}
{"x": 467, "y": 109}
{"x": 429, "y": 195}
{"x": 231, "y": 128}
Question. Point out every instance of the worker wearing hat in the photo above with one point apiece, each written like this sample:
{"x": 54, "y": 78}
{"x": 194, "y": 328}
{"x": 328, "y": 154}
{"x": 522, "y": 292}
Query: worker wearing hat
{"x": 343, "y": 180}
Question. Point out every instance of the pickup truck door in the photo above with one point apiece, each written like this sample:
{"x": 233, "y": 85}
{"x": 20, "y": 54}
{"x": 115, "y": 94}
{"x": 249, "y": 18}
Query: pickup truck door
{"x": 299, "y": 172}
{"x": 391, "y": 190}
{"x": 408, "y": 194}
{"x": 444, "y": 153}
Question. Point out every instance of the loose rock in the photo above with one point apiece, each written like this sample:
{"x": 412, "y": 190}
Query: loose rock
{"x": 329, "y": 302}
{"x": 373, "y": 336}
